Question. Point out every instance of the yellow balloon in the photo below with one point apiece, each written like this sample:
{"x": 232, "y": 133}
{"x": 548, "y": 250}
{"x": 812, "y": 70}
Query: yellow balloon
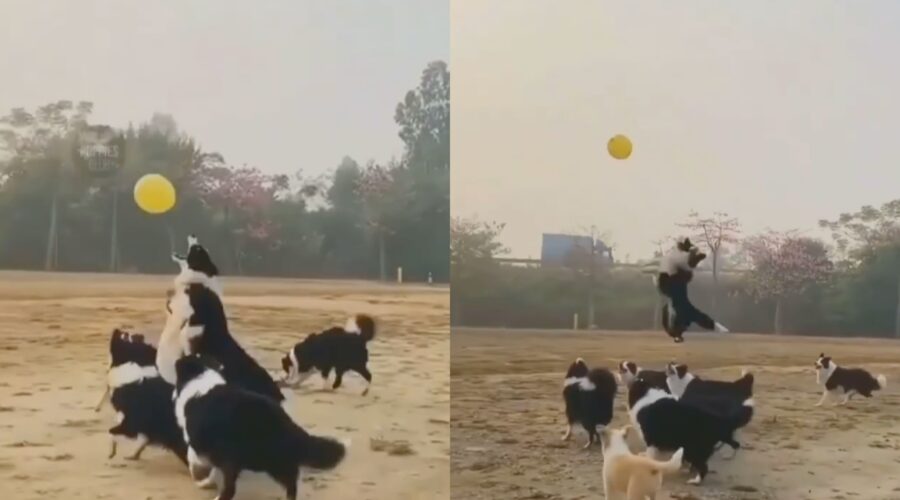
{"x": 619, "y": 147}
{"x": 154, "y": 194}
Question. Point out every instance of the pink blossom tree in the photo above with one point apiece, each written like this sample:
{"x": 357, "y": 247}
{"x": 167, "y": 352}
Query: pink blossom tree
{"x": 785, "y": 265}
{"x": 713, "y": 232}
{"x": 242, "y": 195}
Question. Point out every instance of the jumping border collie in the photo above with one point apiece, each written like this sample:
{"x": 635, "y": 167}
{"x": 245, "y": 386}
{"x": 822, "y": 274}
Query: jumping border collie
{"x": 233, "y": 430}
{"x": 676, "y": 270}
{"x": 715, "y": 396}
{"x": 629, "y": 371}
{"x": 589, "y": 395}
{"x": 142, "y": 399}
{"x": 127, "y": 347}
{"x": 847, "y": 381}
{"x": 667, "y": 424}
{"x": 342, "y": 349}
{"x": 206, "y": 332}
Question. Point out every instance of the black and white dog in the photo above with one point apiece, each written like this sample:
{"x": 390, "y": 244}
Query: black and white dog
{"x": 196, "y": 267}
{"x": 676, "y": 270}
{"x": 715, "y": 396}
{"x": 197, "y": 324}
{"x": 845, "y": 381}
{"x": 589, "y": 395}
{"x": 206, "y": 332}
{"x": 629, "y": 371}
{"x": 342, "y": 349}
{"x": 232, "y": 430}
{"x": 142, "y": 399}
{"x": 668, "y": 424}
{"x": 125, "y": 347}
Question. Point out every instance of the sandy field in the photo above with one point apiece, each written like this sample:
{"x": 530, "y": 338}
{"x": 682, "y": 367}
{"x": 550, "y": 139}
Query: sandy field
{"x": 54, "y": 330}
{"x": 507, "y": 416}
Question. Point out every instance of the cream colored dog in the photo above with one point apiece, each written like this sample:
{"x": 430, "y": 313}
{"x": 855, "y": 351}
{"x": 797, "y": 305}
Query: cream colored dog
{"x": 629, "y": 476}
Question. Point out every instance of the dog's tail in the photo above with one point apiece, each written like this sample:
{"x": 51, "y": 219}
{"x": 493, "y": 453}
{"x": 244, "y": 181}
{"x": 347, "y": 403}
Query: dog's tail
{"x": 743, "y": 415}
{"x": 322, "y": 453}
{"x": 745, "y": 382}
{"x": 362, "y": 324}
{"x": 882, "y": 381}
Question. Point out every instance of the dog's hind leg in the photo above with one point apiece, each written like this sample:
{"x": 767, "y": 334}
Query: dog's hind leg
{"x": 229, "y": 487}
{"x": 705, "y": 321}
{"x": 366, "y": 375}
{"x": 338, "y": 378}
{"x": 734, "y": 445}
{"x": 117, "y": 430}
{"x": 326, "y": 372}
{"x": 701, "y": 469}
{"x": 113, "y": 444}
{"x": 568, "y": 433}
{"x": 143, "y": 441}
{"x": 288, "y": 478}
{"x": 847, "y": 397}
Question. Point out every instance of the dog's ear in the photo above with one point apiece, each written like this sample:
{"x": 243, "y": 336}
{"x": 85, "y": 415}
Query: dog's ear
{"x": 681, "y": 370}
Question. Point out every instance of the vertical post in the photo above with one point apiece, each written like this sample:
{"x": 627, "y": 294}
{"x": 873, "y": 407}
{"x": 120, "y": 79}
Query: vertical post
{"x": 399, "y": 275}
{"x": 114, "y": 237}
{"x": 575, "y": 322}
{"x": 430, "y": 279}
{"x": 591, "y": 277}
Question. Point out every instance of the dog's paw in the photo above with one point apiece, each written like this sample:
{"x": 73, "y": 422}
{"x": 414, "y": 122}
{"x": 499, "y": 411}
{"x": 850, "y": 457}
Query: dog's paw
{"x": 695, "y": 480}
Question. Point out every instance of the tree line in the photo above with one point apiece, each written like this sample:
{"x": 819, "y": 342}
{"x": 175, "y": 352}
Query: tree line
{"x": 846, "y": 285}
{"x": 66, "y": 207}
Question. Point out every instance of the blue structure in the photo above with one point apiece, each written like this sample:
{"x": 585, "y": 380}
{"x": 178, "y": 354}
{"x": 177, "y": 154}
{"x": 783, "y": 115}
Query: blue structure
{"x": 564, "y": 249}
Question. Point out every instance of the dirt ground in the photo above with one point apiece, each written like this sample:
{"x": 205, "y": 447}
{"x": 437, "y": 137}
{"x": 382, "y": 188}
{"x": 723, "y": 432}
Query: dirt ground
{"x": 507, "y": 416}
{"x": 54, "y": 330}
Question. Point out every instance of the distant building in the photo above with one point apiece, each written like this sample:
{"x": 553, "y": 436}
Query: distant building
{"x": 573, "y": 250}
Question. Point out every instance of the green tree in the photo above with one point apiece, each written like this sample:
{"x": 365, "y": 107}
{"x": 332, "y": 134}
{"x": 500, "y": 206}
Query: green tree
{"x": 40, "y": 147}
{"x": 869, "y": 243}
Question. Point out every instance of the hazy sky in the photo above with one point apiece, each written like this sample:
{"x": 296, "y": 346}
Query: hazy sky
{"x": 280, "y": 85}
{"x": 781, "y": 113}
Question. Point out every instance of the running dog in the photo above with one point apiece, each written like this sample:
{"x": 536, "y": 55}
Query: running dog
{"x": 845, "y": 381}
